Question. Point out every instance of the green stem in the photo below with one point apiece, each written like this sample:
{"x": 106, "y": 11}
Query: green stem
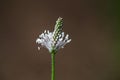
{"x": 52, "y": 65}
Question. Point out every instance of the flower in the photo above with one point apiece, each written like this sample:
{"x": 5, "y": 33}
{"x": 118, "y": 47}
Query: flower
{"x": 54, "y": 40}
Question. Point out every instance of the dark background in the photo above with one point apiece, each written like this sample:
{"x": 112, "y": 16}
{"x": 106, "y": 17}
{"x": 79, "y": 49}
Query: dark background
{"x": 93, "y": 26}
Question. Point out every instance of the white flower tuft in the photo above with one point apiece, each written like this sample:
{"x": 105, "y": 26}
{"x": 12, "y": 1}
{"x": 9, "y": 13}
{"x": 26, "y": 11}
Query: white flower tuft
{"x": 46, "y": 40}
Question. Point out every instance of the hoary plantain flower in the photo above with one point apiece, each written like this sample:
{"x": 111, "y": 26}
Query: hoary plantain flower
{"x": 53, "y": 41}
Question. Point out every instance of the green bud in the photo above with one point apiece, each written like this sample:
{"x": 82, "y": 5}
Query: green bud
{"x": 59, "y": 23}
{"x": 58, "y": 28}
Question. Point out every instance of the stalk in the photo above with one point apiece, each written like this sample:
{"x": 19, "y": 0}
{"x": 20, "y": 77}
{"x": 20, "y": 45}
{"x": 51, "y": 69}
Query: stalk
{"x": 53, "y": 65}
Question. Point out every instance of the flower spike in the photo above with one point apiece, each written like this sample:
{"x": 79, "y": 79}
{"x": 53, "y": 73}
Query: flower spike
{"x": 54, "y": 40}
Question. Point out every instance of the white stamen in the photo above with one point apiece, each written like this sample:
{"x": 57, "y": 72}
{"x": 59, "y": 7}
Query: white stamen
{"x": 38, "y": 48}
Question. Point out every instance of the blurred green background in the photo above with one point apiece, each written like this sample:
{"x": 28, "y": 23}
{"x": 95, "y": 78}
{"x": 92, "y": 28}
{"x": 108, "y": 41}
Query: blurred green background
{"x": 93, "y": 25}
{"x": 115, "y": 11}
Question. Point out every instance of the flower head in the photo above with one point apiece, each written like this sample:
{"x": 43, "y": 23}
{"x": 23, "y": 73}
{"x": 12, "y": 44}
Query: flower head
{"x": 54, "y": 40}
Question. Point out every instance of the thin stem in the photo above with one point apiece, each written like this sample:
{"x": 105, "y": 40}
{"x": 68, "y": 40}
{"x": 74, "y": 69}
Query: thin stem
{"x": 52, "y": 65}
